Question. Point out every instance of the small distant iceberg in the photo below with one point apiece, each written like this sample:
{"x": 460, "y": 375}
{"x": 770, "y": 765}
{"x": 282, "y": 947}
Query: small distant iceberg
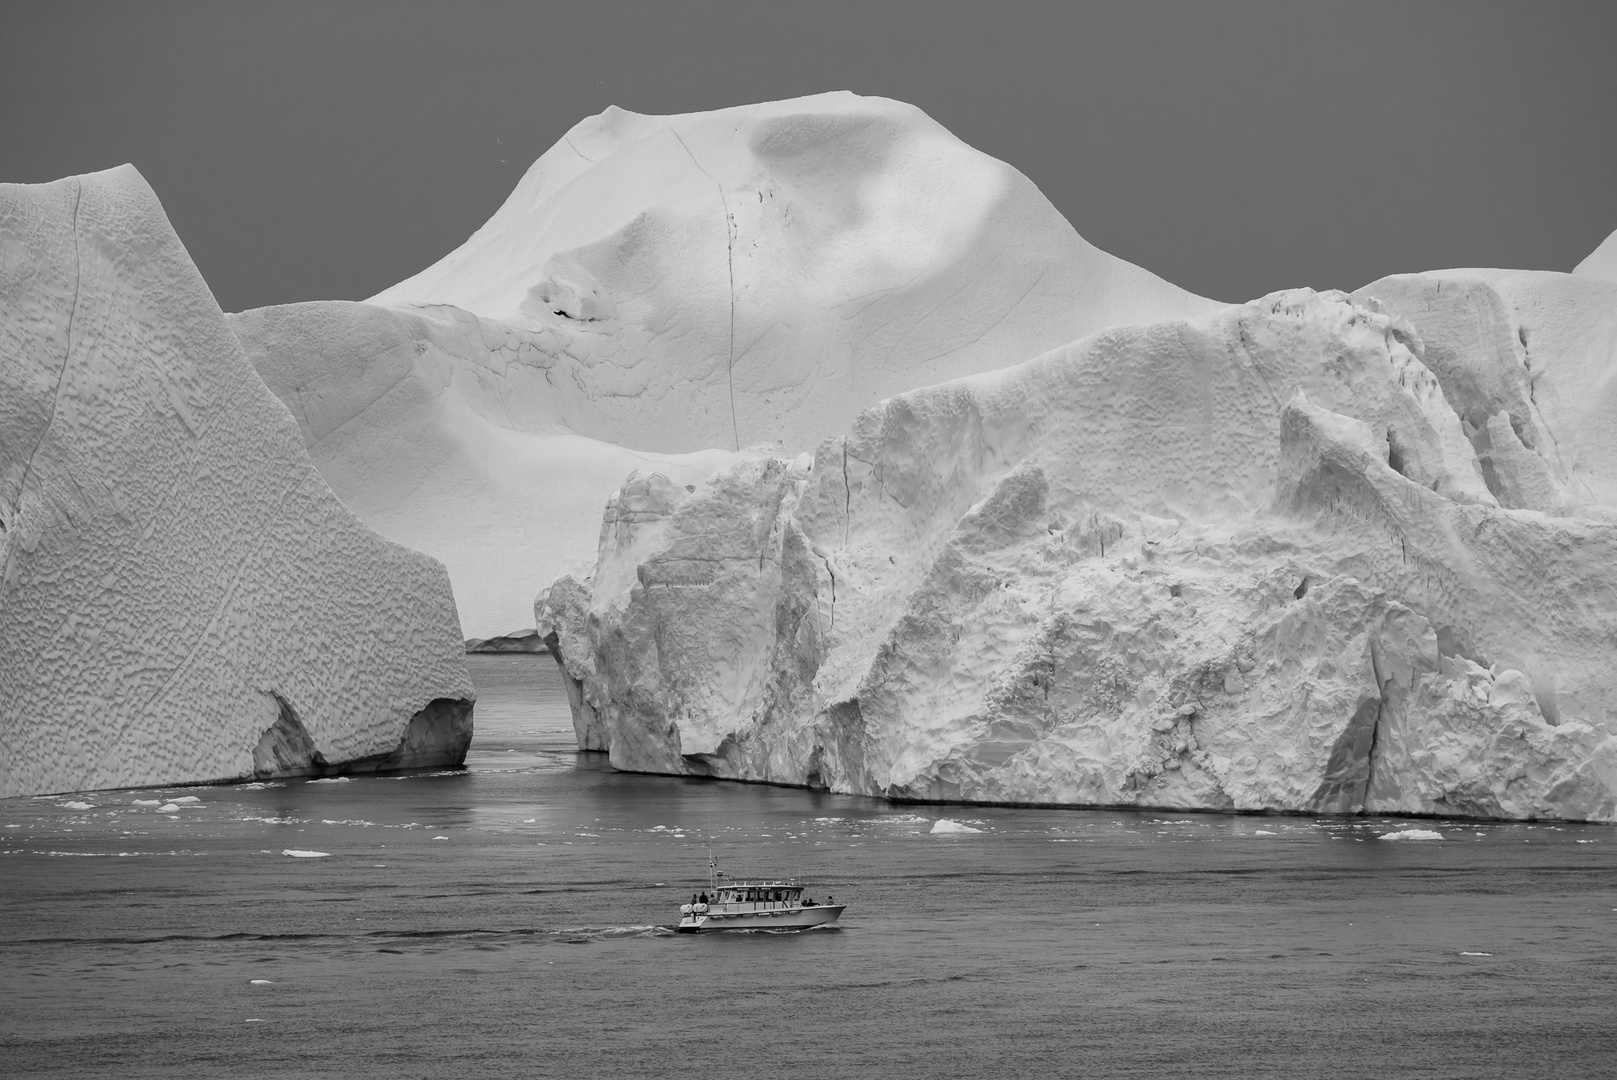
{"x": 294, "y": 853}
{"x": 944, "y": 825}
{"x": 77, "y": 806}
{"x": 1412, "y": 834}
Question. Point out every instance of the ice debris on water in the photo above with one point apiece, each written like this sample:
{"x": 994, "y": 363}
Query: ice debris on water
{"x": 331, "y": 780}
{"x": 168, "y": 808}
{"x": 77, "y": 806}
{"x": 259, "y": 982}
{"x": 146, "y": 802}
{"x": 1412, "y": 834}
{"x": 1464, "y": 953}
{"x": 944, "y": 825}
{"x": 296, "y": 854}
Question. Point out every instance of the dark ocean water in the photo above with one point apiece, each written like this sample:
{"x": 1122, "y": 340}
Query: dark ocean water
{"x": 504, "y": 921}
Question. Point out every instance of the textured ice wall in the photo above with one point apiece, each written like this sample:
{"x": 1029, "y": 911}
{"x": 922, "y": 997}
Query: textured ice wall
{"x": 1249, "y": 561}
{"x": 660, "y": 291}
{"x": 182, "y": 597}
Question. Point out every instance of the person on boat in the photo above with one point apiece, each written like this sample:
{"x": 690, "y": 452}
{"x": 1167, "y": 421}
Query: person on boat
{"x": 808, "y": 901}
{"x": 703, "y": 900}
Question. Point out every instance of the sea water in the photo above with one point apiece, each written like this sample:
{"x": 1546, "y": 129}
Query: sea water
{"x": 509, "y": 919}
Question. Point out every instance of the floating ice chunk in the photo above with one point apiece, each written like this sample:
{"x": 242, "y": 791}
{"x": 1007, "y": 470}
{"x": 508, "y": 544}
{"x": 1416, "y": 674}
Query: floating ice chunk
{"x": 440, "y": 838}
{"x": 186, "y": 800}
{"x": 259, "y": 982}
{"x": 944, "y": 825}
{"x": 146, "y": 802}
{"x": 1262, "y": 832}
{"x": 77, "y": 806}
{"x": 168, "y": 808}
{"x": 1412, "y": 834}
{"x": 296, "y": 854}
{"x": 255, "y": 1020}
{"x": 331, "y": 780}
{"x": 1463, "y": 953}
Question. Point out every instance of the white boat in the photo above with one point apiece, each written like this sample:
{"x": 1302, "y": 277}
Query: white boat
{"x": 753, "y": 905}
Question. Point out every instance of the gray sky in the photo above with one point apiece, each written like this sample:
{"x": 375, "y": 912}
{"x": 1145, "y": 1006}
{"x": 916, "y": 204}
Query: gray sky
{"x": 326, "y": 150}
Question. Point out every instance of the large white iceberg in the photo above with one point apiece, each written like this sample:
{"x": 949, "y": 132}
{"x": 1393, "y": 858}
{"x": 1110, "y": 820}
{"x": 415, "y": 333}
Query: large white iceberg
{"x": 182, "y": 597}
{"x": 1264, "y": 559}
{"x": 660, "y": 292}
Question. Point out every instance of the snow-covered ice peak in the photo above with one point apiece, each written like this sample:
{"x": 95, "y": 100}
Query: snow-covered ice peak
{"x": 660, "y": 293}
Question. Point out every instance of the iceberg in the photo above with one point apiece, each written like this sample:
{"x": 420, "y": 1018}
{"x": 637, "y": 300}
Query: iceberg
{"x": 182, "y": 597}
{"x": 1257, "y": 560}
{"x": 662, "y": 293}
{"x": 1602, "y": 261}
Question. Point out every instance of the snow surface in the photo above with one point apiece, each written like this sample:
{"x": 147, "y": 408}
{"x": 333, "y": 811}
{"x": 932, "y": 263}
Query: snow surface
{"x": 1602, "y": 261}
{"x": 660, "y": 292}
{"x": 1255, "y": 560}
{"x": 182, "y": 597}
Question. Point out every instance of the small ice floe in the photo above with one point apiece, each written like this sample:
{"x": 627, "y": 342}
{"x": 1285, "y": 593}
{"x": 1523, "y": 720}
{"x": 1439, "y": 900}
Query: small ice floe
{"x": 331, "y": 780}
{"x": 146, "y": 802}
{"x": 168, "y": 808}
{"x": 1464, "y": 953}
{"x": 186, "y": 800}
{"x": 1412, "y": 834}
{"x": 1263, "y": 832}
{"x": 944, "y": 825}
{"x": 296, "y": 854}
{"x": 440, "y": 838}
{"x": 255, "y": 1020}
{"x": 77, "y": 806}
{"x": 259, "y": 982}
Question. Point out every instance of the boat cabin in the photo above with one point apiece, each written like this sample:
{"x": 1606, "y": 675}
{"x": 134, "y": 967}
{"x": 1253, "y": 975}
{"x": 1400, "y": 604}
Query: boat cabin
{"x": 758, "y": 896}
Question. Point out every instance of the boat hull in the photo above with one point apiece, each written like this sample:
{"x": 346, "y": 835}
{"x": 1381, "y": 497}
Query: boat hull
{"x": 795, "y": 918}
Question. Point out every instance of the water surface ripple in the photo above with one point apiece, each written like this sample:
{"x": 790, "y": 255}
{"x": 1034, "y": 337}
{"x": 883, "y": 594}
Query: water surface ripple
{"x": 510, "y": 919}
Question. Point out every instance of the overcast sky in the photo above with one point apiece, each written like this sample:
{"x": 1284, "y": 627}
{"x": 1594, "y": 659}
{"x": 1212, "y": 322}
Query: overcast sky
{"x": 325, "y": 150}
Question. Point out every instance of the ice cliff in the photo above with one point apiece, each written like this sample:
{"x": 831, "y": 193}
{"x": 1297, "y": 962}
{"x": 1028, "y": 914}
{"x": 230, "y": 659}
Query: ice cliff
{"x": 1315, "y": 553}
{"x": 660, "y": 292}
{"x": 182, "y": 597}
